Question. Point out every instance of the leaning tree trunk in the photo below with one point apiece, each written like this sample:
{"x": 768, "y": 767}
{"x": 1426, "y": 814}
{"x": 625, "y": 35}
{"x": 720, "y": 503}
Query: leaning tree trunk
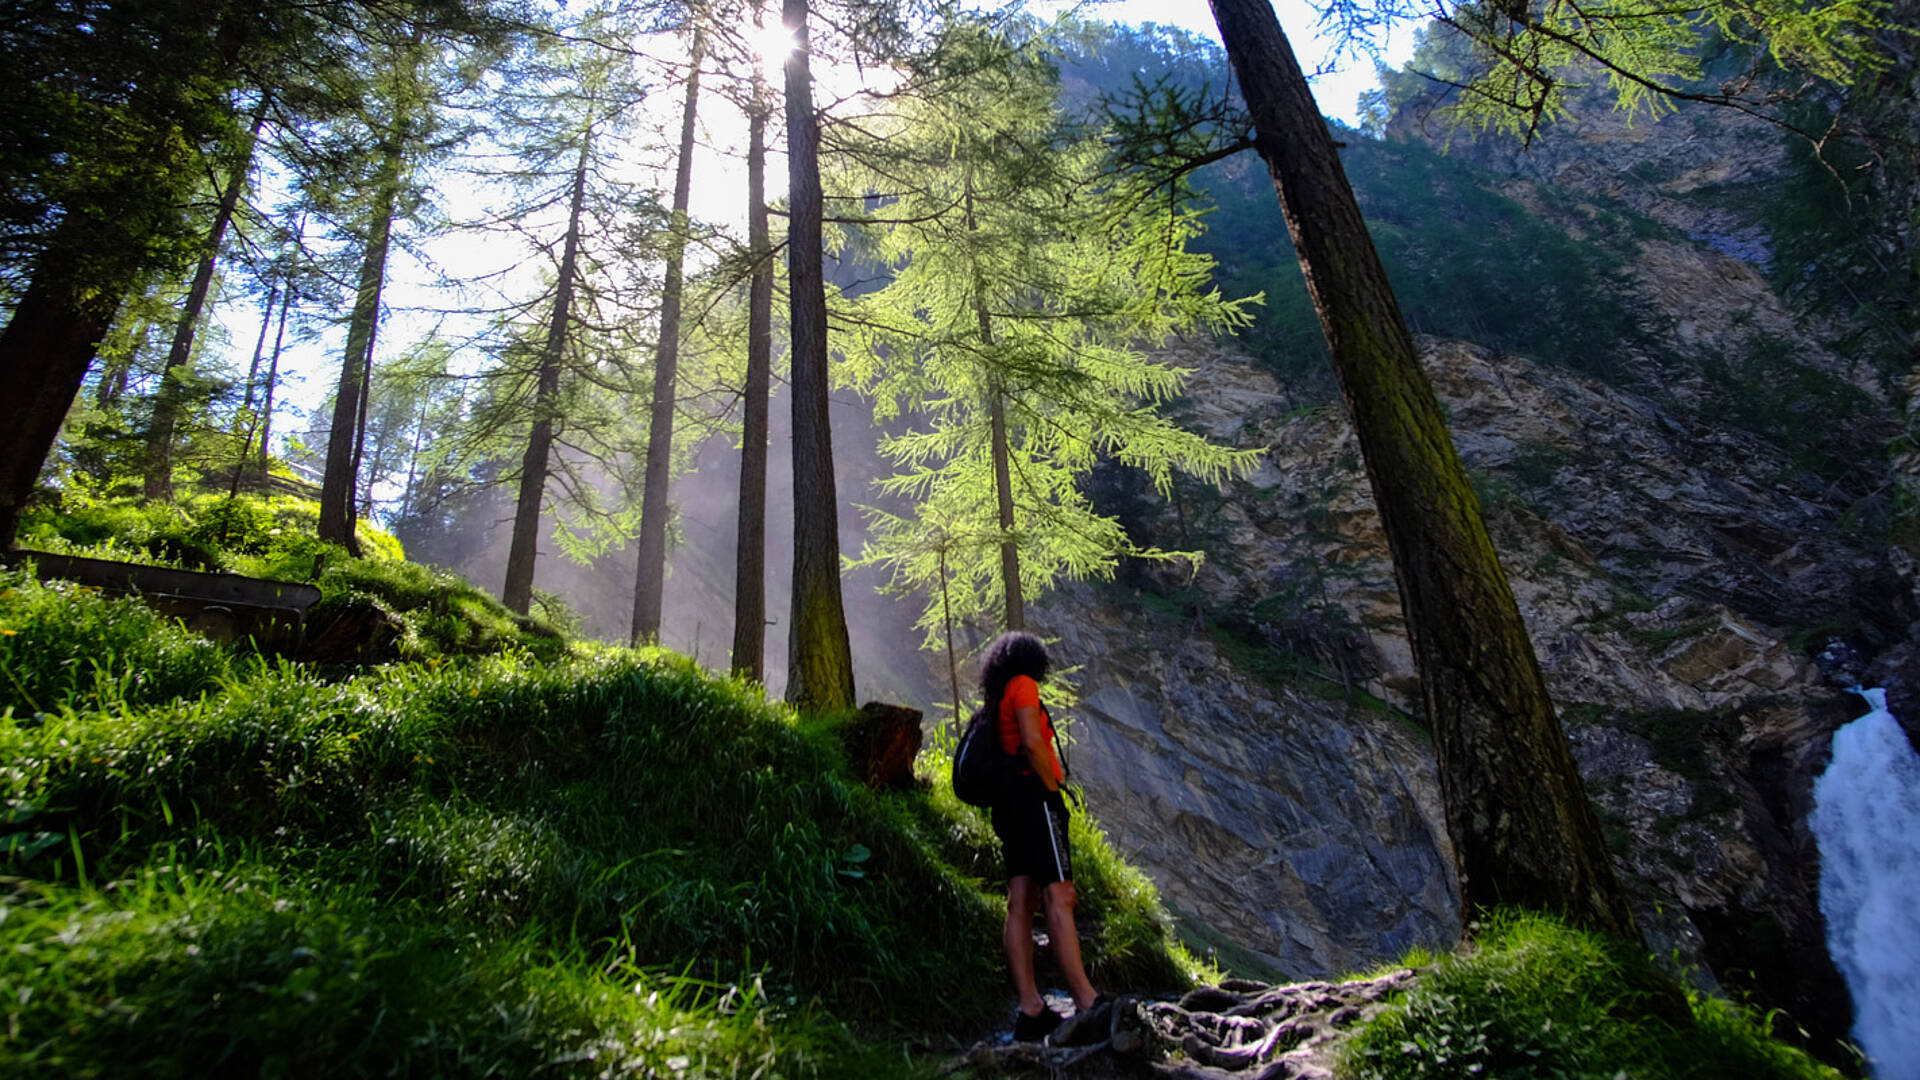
{"x": 45, "y": 349}
{"x": 750, "y": 554}
{"x": 518, "y": 591}
{"x": 158, "y": 479}
{"x": 1523, "y": 831}
{"x": 338, "y": 483}
{"x": 651, "y": 576}
{"x": 819, "y": 659}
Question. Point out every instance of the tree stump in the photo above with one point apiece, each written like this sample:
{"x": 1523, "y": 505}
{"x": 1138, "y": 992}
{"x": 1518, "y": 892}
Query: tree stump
{"x": 882, "y": 740}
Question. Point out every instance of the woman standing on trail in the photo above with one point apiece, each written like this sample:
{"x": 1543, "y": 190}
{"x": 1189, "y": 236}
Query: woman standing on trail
{"x": 1032, "y": 827}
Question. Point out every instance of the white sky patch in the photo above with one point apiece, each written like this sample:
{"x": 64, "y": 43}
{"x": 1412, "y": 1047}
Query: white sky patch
{"x": 1336, "y": 88}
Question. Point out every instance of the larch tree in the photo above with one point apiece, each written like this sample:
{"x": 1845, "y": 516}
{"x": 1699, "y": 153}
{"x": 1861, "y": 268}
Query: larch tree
{"x": 750, "y": 551}
{"x": 110, "y": 107}
{"x": 819, "y": 655}
{"x": 288, "y": 276}
{"x": 158, "y": 480}
{"x": 650, "y": 573}
{"x": 397, "y": 121}
{"x": 575, "y": 94}
{"x": 1009, "y": 341}
{"x": 369, "y": 170}
{"x": 1523, "y": 830}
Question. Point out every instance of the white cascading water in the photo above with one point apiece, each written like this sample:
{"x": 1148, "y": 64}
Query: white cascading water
{"x": 1866, "y": 818}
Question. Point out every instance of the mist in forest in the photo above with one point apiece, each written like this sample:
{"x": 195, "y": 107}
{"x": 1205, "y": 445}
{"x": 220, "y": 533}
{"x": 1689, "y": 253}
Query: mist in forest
{"x": 697, "y": 610}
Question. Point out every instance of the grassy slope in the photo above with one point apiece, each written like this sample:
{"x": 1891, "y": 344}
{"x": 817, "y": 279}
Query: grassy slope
{"x": 600, "y": 859}
{"x": 512, "y": 856}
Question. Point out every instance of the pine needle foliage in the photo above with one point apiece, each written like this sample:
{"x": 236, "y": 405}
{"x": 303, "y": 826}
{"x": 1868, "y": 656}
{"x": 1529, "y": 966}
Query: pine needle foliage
{"x": 1520, "y": 65}
{"x": 1017, "y": 275}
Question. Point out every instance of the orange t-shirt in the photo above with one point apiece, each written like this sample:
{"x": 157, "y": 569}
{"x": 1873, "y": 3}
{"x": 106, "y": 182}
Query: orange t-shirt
{"x": 1022, "y": 690}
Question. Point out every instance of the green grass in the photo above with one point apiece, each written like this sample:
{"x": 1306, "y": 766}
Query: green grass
{"x": 1532, "y": 998}
{"x": 475, "y": 864}
{"x": 439, "y": 614}
{"x": 66, "y": 645}
{"x": 586, "y": 861}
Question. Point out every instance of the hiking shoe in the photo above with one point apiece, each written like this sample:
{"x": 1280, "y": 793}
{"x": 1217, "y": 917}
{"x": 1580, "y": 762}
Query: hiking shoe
{"x": 1035, "y": 1028}
{"x": 1085, "y": 1026}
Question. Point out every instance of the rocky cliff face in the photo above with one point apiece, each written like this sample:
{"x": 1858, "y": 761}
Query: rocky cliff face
{"x": 1702, "y": 171}
{"x": 1683, "y": 544}
{"x": 1303, "y": 829}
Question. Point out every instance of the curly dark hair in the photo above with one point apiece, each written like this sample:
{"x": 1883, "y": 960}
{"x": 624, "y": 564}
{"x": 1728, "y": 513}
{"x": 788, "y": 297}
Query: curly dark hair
{"x": 1015, "y": 652}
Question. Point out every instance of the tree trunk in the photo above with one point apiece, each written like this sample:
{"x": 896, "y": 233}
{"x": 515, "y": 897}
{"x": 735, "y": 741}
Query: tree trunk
{"x": 650, "y": 578}
{"x": 1002, "y": 474}
{"x": 166, "y": 402}
{"x": 518, "y": 592}
{"x": 45, "y": 349}
{"x": 260, "y": 342}
{"x": 273, "y": 378}
{"x": 953, "y": 661}
{"x": 253, "y": 377}
{"x": 1003, "y": 495}
{"x": 1523, "y": 831}
{"x": 363, "y": 501}
{"x": 819, "y": 659}
{"x": 413, "y": 463}
{"x": 338, "y": 483}
{"x": 113, "y": 378}
{"x": 750, "y": 554}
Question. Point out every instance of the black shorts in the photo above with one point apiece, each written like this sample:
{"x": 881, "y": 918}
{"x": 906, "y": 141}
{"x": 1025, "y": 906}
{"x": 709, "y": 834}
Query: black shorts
{"x": 1033, "y": 837}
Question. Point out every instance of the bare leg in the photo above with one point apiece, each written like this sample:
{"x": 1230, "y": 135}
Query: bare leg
{"x": 1061, "y": 896}
{"x": 1018, "y": 938}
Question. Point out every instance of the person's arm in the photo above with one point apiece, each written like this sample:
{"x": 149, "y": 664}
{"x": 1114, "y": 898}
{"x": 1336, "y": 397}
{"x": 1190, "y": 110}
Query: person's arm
{"x": 1033, "y": 741}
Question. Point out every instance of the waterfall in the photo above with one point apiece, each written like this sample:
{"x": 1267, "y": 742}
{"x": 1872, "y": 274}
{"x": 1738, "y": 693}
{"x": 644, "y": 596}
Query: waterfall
{"x": 1866, "y": 818}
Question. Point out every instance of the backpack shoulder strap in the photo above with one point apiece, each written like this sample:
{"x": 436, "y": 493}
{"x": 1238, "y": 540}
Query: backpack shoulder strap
{"x": 1059, "y": 752}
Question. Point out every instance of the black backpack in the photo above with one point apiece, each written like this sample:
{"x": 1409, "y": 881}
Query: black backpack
{"x": 983, "y": 773}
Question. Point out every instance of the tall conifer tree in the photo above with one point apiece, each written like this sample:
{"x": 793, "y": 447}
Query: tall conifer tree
{"x": 1009, "y": 336}
{"x": 397, "y": 130}
{"x": 1523, "y": 831}
{"x": 650, "y": 575}
{"x": 819, "y": 656}
{"x": 166, "y": 404}
{"x": 750, "y": 557}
